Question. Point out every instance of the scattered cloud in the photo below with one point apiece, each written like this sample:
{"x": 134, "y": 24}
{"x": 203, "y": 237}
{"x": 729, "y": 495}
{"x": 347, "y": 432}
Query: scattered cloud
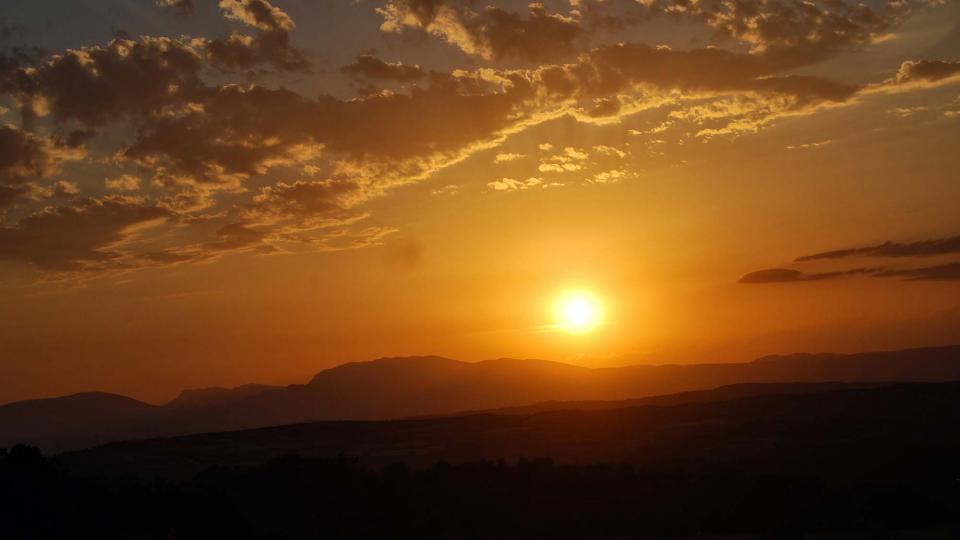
{"x": 608, "y": 177}
{"x": 509, "y": 184}
{"x": 26, "y": 157}
{"x": 904, "y": 112}
{"x": 923, "y": 248}
{"x": 491, "y": 32}
{"x": 371, "y": 68}
{"x": 448, "y": 190}
{"x": 271, "y": 46}
{"x": 86, "y": 235}
{"x": 785, "y": 275}
{"x": 202, "y": 145}
{"x": 184, "y": 7}
{"x": 503, "y": 157}
{"x": 942, "y": 272}
{"x": 805, "y": 146}
{"x": 124, "y": 182}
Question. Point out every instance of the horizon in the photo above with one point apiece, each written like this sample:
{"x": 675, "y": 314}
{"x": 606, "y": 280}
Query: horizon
{"x": 405, "y": 359}
{"x": 198, "y": 194}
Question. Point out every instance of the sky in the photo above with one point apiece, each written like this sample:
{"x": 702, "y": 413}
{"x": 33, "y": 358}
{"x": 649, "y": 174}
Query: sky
{"x": 212, "y": 193}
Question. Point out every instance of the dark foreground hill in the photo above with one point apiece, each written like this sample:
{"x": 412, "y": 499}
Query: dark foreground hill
{"x": 873, "y": 429}
{"x": 421, "y": 386}
{"x": 870, "y": 463}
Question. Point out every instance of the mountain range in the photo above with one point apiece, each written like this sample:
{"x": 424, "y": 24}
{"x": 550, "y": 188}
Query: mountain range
{"x": 391, "y": 388}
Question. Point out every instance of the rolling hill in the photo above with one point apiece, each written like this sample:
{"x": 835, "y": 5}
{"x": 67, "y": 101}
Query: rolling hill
{"x": 897, "y": 428}
{"x": 423, "y": 386}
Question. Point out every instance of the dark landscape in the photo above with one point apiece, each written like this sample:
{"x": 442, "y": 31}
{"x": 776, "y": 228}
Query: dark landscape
{"x": 420, "y": 386}
{"x": 872, "y": 458}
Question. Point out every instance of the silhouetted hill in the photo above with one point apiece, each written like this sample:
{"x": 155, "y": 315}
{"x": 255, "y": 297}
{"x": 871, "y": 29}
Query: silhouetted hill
{"x": 854, "y": 431}
{"x": 79, "y": 417}
{"x": 206, "y": 397}
{"x": 723, "y": 393}
{"x": 423, "y": 386}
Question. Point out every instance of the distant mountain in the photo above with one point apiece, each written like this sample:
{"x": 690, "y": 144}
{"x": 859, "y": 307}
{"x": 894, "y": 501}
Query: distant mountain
{"x": 422, "y": 386}
{"x": 206, "y": 397}
{"x": 723, "y": 393}
{"x": 79, "y": 420}
{"x": 890, "y": 429}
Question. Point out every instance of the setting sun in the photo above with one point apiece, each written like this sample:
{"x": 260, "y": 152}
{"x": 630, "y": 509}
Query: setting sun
{"x": 578, "y": 311}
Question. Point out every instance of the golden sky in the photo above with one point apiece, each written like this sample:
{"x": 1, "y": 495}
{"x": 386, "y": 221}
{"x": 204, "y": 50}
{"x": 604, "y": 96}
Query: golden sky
{"x": 198, "y": 193}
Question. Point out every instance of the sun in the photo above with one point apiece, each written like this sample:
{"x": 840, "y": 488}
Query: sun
{"x": 578, "y": 311}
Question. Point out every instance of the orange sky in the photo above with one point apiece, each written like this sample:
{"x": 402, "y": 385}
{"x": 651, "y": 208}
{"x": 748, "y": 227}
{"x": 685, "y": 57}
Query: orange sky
{"x": 253, "y": 191}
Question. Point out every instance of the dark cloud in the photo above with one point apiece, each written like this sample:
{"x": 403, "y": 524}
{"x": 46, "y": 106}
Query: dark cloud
{"x": 302, "y": 199}
{"x": 787, "y": 33}
{"x": 784, "y": 275}
{"x": 239, "y": 130}
{"x": 123, "y": 78}
{"x": 13, "y": 61}
{"x": 920, "y": 71}
{"x": 925, "y": 248}
{"x": 197, "y": 139}
{"x": 367, "y": 67}
{"x": 237, "y": 236}
{"x": 152, "y": 75}
{"x": 82, "y": 235}
{"x": 9, "y": 195}
{"x": 235, "y": 131}
{"x": 604, "y": 71}
{"x": 538, "y": 37}
{"x": 492, "y": 32}
{"x": 792, "y": 33}
{"x": 271, "y": 46}
{"x": 943, "y": 272}
{"x": 184, "y": 7}
{"x": 25, "y": 156}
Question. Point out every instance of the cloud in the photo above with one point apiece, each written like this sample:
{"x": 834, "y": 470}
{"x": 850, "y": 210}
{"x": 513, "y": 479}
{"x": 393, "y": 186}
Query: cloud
{"x": 785, "y": 275}
{"x": 943, "y": 272}
{"x": 492, "y": 32}
{"x": 926, "y": 71}
{"x": 12, "y": 63}
{"x": 504, "y": 157}
{"x": 25, "y": 156}
{"x": 60, "y": 188}
{"x": 315, "y": 202}
{"x": 199, "y": 141}
{"x": 124, "y": 182}
{"x": 84, "y": 235}
{"x": 805, "y": 146}
{"x": 800, "y": 33}
{"x": 9, "y": 195}
{"x": 509, "y": 184}
{"x": 100, "y": 84}
{"x": 925, "y": 248}
{"x": 271, "y": 46}
{"x": 608, "y": 177}
{"x": 237, "y": 236}
{"x": 786, "y": 33}
{"x": 184, "y": 7}
{"x": 918, "y": 74}
{"x": 367, "y": 67}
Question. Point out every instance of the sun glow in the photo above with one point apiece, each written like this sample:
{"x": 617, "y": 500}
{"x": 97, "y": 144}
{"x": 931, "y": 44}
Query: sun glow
{"x": 578, "y": 311}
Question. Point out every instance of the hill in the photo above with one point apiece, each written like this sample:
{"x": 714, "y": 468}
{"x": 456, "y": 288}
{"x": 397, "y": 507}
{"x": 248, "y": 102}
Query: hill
{"x": 848, "y": 430}
{"x": 82, "y": 419}
{"x": 423, "y": 386}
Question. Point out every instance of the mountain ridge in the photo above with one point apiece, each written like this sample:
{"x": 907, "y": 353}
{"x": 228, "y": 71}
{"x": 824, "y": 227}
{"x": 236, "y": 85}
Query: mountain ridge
{"x": 401, "y": 387}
